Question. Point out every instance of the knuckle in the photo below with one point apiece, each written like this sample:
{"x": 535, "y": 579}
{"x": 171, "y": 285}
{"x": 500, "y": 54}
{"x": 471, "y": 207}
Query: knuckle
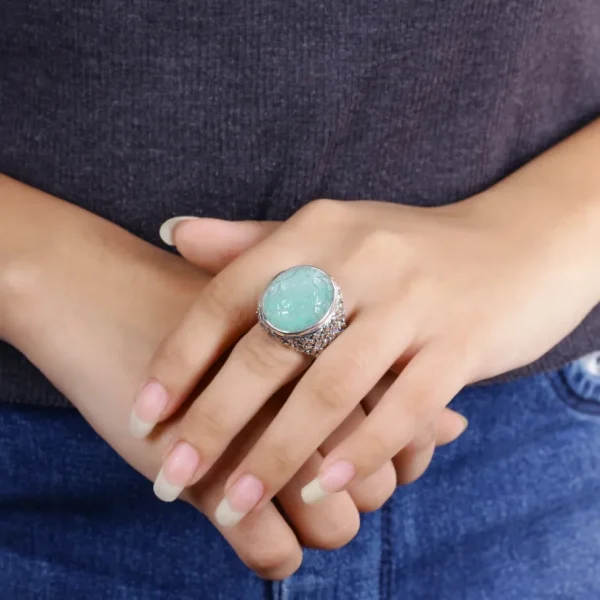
{"x": 281, "y": 461}
{"x": 339, "y": 532}
{"x": 380, "y": 242}
{"x": 411, "y": 464}
{"x": 419, "y": 291}
{"x": 371, "y": 494}
{"x": 383, "y": 247}
{"x": 274, "y": 561}
{"x": 380, "y": 449}
{"x": 424, "y": 439}
{"x": 359, "y": 362}
{"x": 219, "y": 300}
{"x": 265, "y": 357}
{"x": 371, "y": 503}
{"x": 468, "y": 348}
{"x": 378, "y": 246}
{"x": 174, "y": 362}
{"x": 420, "y": 397}
{"x": 322, "y": 209}
{"x": 205, "y": 428}
{"x": 329, "y": 391}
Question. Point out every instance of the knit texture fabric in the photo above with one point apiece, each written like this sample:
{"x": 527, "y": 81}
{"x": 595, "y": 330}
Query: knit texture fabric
{"x": 146, "y": 109}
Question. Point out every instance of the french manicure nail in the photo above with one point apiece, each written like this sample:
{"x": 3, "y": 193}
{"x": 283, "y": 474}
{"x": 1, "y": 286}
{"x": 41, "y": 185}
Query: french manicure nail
{"x": 333, "y": 479}
{"x": 176, "y": 472}
{"x": 167, "y": 228}
{"x": 243, "y": 496}
{"x": 148, "y": 407}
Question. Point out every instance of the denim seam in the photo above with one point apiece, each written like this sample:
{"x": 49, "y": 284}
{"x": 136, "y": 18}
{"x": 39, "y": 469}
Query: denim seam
{"x": 385, "y": 566}
{"x": 561, "y": 385}
{"x": 273, "y": 590}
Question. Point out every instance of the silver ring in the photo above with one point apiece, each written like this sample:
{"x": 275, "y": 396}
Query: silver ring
{"x": 302, "y": 308}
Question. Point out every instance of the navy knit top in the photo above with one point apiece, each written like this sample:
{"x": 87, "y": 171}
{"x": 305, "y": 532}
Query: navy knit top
{"x": 140, "y": 110}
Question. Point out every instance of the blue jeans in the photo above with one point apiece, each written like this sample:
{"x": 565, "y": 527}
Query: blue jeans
{"x": 510, "y": 511}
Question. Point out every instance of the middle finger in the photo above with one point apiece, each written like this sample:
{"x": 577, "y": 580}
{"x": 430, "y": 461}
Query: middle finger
{"x": 337, "y": 381}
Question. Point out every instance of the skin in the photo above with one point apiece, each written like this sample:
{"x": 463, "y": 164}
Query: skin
{"x": 89, "y": 304}
{"x": 444, "y": 297}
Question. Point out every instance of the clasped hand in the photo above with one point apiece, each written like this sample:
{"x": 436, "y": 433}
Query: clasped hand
{"x": 442, "y": 297}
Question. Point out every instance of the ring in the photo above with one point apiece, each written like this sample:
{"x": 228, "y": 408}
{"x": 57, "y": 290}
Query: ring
{"x": 302, "y": 308}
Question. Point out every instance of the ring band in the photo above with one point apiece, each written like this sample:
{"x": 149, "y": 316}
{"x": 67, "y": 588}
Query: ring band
{"x": 302, "y": 308}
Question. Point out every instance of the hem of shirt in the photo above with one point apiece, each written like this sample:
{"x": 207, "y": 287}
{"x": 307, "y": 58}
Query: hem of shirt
{"x": 584, "y": 340}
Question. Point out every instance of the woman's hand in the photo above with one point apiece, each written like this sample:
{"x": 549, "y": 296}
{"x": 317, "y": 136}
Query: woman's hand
{"x": 89, "y": 304}
{"x": 213, "y": 244}
{"x": 444, "y": 296}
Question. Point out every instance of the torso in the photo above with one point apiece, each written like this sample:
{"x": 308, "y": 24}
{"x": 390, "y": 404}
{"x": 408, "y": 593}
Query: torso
{"x": 142, "y": 110}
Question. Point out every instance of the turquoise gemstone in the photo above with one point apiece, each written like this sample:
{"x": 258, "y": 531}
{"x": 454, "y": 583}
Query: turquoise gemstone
{"x": 297, "y": 299}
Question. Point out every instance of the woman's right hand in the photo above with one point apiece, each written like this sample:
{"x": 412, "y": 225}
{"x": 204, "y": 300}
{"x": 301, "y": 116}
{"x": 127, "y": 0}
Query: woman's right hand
{"x": 88, "y": 304}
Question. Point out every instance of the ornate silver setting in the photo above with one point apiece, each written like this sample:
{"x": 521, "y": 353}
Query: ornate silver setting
{"x": 314, "y": 340}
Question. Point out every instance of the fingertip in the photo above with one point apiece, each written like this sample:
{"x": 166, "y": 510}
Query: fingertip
{"x": 149, "y": 407}
{"x": 450, "y": 426}
{"x": 164, "y": 490}
{"x": 167, "y": 229}
{"x": 313, "y": 492}
{"x": 139, "y": 428}
{"x": 371, "y": 493}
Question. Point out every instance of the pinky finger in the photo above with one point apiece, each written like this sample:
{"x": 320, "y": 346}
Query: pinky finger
{"x": 412, "y": 461}
{"x": 427, "y": 384}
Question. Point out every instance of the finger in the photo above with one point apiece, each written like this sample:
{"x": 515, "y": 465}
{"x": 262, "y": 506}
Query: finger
{"x": 225, "y": 309}
{"x": 412, "y": 461}
{"x": 334, "y": 523}
{"x": 372, "y": 493}
{"x": 321, "y": 401}
{"x": 256, "y": 369}
{"x": 415, "y": 399}
{"x": 214, "y": 243}
{"x": 264, "y": 542}
{"x": 267, "y": 544}
{"x": 330, "y": 525}
{"x": 327, "y": 526}
{"x": 448, "y": 426}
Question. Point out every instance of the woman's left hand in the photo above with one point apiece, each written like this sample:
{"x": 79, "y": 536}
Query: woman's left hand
{"x": 443, "y": 296}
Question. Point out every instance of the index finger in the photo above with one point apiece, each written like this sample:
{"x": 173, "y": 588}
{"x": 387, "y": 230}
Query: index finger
{"x": 225, "y": 309}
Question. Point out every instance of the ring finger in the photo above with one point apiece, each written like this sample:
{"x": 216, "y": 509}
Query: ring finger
{"x": 257, "y": 368}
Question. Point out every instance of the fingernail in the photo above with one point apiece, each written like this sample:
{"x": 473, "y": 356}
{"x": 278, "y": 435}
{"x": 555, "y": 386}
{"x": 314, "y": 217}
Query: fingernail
{"x": 148, "y": 407}
{"x": 176, "y": 472}
{"x": 167, "y": 228}
{"x": 333, "y": 479}
{"x": 239, "y": 501}
{"x": 465, "y": 423}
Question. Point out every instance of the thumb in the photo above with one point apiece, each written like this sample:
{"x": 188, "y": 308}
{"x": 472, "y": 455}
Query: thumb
{"x": 449, "y": 426}
{"x": 212, "y": 244}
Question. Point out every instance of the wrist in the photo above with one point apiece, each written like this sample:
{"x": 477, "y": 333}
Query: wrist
{"x": 554, "y": 200}
{"x": 21, "y": 242}
{"x": 41, "y": 238}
